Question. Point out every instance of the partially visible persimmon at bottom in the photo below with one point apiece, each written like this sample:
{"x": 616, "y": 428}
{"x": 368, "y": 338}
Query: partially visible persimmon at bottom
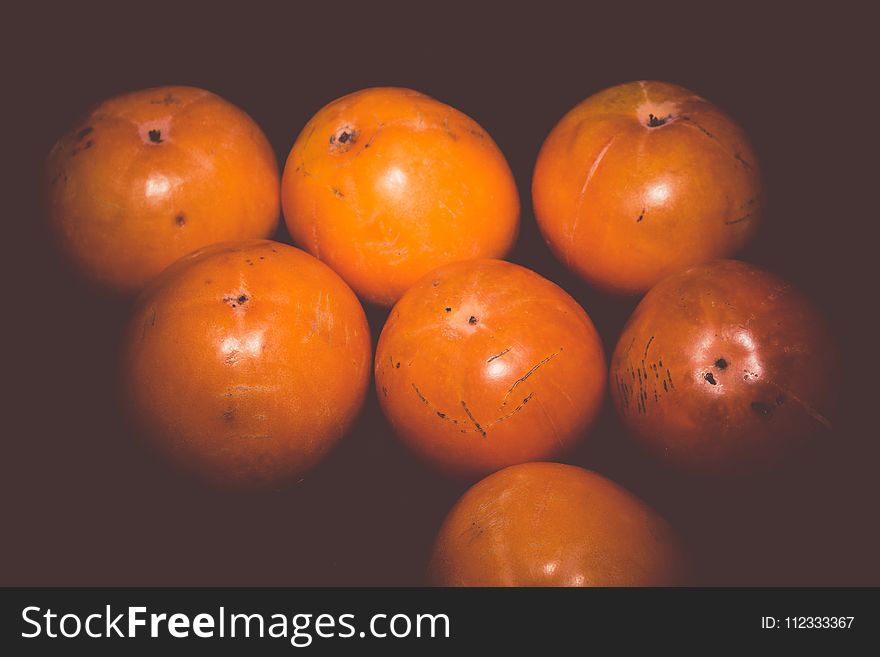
{"x": 548, "y": 524}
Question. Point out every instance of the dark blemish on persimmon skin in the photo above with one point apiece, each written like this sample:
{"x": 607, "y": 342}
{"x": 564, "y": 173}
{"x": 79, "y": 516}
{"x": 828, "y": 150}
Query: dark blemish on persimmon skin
{"x": 780, "y": 399}
{"x": 699, "y": 127}
{"x": 516, "y": 410}
{"x": 477, "y": 133}
{"x": 641, "y": 216}
{"x": 623, "y": 392}
{"x": 397, "y": 365}
{"x": 710, "y": 378}
{"x": 234, "y": 302}
{"x": 155, "y": 136}
{"x": 440, "y": 414}
{"x": 738, "y": 220}
{"x": 762, "y": 409}
{"x": 61, "y": 175}
{"x": 473, "y": 419}
{"x": 449, "y": 310}
{"x": 337, "y": 193}
{"x": 84, "y": 133}
{"x": 229, "y": 414}
{"x": 472, "y": 320}
{"x": 498, "y": 355}
{"x": 419, "y": 393}
{"x": 648, "y": 346}
{"x": 721, "y": 364}
{"x": 739, "y": 158}
{"x": 180, "y": 219}
{"x": 169, "y": 99}
{"x": 525, "y": 376}
{"x": 151, "y": 323}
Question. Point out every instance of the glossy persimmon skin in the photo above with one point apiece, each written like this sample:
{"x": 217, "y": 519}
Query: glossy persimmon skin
{"x": 245, "y": 362}
{"x": 724, "y": 369}
{"x": 548, "y": 524}
{"x": 483, "y": 364}
{"x": 152, "y": 175}
{"x": 386, "y": 184}
{"x": 624, "y": 204}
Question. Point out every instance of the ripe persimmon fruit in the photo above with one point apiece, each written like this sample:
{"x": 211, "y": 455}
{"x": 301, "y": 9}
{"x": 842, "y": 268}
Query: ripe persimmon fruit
{"x": 548, "y": 524}
{"x": 150, "y": 176}
{"x": 483, "y": 364}
{"x": 723, "y": 369}
{"x": 642, "y": 180}
{"x": 386, "y": 184}
{"x": 246, "y": 361}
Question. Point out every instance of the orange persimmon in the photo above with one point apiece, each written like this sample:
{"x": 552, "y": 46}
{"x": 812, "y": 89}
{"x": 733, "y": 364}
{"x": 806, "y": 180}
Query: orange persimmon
{"x": 642, "y": 180}
{"x": 246, "y": 361}
{"x": 483, "y": 364}
{"x": 548, "y": 524}
{"x": 147, "y": 177}
{"x": 386, "y": 184}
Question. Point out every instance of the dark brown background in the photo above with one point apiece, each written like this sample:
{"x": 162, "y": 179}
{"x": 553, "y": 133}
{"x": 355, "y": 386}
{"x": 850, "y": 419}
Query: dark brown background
{"x": 84, "y": 503}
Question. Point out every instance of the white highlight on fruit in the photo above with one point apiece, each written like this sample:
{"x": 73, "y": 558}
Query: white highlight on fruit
{"x": 157, "y": 186}
{"x": 658, "y": 194}
{"x": 250, "y": 345}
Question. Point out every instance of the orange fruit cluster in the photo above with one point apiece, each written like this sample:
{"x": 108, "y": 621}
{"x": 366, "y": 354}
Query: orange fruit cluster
{"x": 247, "y": 359}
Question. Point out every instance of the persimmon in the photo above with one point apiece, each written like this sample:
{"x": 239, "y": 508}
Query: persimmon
{"x": 483, "y": 364}
{"x": 386, "y": 184}
{"x": 642, "y": 180}
{"x": 724, "y": 369}
{"x": 548, "y": 524}
{"x": 147, "y": 177}
{"x": 245, "y": 362}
